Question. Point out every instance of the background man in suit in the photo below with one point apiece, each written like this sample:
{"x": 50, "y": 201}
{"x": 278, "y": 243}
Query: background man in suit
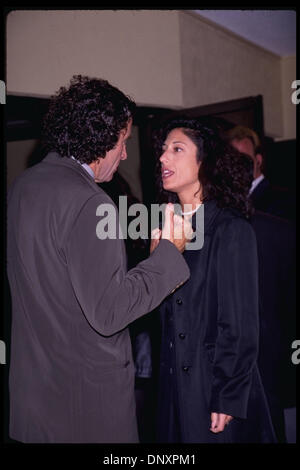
{"x": 276, "y": 244}
{"x": 276, "y": 247}
{"x": 265, "y": 197}
{"x": 71, "y": 371}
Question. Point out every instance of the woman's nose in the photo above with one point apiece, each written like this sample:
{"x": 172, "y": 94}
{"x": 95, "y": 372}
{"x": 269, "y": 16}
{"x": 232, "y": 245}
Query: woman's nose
{"x": 163, "y": 157}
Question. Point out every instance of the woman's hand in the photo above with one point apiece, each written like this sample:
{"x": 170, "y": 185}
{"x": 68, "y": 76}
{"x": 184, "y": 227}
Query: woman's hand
{"x": 219, "y": 421}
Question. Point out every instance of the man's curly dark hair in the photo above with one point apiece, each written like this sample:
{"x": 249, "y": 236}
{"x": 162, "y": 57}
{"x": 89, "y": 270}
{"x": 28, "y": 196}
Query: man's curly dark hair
{"x": 225, "y": 175}
{"x": 85, "y": 119}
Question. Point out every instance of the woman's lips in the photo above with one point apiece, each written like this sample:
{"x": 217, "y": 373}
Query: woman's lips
{"x": 166, "y": 174}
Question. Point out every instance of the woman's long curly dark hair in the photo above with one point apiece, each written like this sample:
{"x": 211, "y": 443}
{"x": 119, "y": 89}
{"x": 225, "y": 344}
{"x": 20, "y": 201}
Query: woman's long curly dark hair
{"x": 85, "y": 119}
{"x": 225, "y": 174}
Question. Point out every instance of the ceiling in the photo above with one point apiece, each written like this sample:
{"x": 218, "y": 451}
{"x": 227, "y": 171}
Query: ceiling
{"x": 274, "y": 30}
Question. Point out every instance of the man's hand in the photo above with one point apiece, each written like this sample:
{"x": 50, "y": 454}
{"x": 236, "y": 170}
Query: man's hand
{"x": 176, "y": 229}
{"x": 219, "y": 421}
{"x": 155, "y": 238}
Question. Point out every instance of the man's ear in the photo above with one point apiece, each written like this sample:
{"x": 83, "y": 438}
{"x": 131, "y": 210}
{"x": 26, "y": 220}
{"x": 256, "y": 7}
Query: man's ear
{"x": 259, "y": 160}
{"x": 96, "y": 163}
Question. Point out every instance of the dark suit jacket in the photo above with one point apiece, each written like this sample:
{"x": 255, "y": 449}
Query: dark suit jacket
{"x": 274, "y": 200}
{"x": 210, "y": 334}
{"x": 276, "y": 242}
{"x": 71, "y": 371}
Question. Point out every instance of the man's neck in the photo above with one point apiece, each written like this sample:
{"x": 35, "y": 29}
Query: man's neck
{"x": 87, "y": 167}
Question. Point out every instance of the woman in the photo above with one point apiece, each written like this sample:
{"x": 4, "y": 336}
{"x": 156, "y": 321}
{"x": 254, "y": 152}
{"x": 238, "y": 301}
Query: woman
{"x": 209, "y": 386}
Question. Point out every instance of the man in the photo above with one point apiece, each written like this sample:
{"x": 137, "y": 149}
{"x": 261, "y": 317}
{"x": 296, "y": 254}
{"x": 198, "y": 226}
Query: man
{"x": 276, "y": 247}
{"x": 71, "y": 371}
{"x": 276, "y": 244}
{"x": 265, "y": 197}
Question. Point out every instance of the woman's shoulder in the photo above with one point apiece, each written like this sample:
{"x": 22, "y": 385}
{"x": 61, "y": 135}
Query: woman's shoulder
{"x": 232, "y": 221}
{"x": 233, "y": 215}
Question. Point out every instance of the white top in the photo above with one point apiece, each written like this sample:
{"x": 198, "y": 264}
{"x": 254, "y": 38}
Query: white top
{"x": 191, "y": 212}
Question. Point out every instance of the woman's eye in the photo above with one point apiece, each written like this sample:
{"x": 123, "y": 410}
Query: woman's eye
{"x": 177, "y": 149}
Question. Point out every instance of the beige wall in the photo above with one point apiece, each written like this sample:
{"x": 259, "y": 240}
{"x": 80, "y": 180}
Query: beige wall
{"x": 19, "y": 154}
{"x": 162, "y": 58}
{"x": 219, "y": 66}
{"x": 137, "y": 51}
{"x": 288, "y": 70}
{"x": 17, "y": 158}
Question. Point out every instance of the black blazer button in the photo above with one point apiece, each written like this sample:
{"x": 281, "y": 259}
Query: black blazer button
{"x": 179, "y": 301}
{"x": 185, "y": 368}
{"x": 181, "y": 335}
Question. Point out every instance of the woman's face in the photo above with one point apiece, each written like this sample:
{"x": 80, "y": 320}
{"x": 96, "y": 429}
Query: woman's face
{"x": 179, "y": 165}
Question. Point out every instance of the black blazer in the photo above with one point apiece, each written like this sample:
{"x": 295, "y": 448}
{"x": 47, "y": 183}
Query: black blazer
{"x": 276, "y": 242}
{"x": 210, "y": 337}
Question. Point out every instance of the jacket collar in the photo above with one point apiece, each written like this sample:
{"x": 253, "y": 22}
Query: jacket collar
{"x": 260, "y": 188}
{"x": 54, "y": 158}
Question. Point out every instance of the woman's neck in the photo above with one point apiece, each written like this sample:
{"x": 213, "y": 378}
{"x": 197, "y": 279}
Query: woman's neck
{"x": 189, "y": 201}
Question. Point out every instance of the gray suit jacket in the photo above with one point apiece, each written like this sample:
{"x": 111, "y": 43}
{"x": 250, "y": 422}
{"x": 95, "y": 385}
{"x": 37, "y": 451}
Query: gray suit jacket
{"x": 71, "y": 371}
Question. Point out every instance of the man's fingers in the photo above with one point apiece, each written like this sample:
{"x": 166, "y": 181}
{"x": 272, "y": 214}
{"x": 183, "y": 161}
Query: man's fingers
{"x": 155, "y": 239}
{"x": 178, "y": 227}
{"x": 171, "y": 217}
{"x": 188, "y": 230}
{"x": 168, "y": 228}
{"x": 182, "y": 228}
{"x": 156, "y": 234}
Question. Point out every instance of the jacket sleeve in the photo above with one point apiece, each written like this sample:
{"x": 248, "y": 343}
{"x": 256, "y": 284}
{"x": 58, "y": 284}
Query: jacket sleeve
{"x": 109, "y": 296}
{"x": 237, "y": 341}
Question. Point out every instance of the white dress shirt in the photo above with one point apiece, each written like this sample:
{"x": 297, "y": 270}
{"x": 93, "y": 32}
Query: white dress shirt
{"x": 256, "y": 182}
{"x": 86, "y": 167}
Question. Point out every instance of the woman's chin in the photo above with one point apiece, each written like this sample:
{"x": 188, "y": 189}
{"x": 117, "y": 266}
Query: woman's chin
{"x": 169, "y": 187}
